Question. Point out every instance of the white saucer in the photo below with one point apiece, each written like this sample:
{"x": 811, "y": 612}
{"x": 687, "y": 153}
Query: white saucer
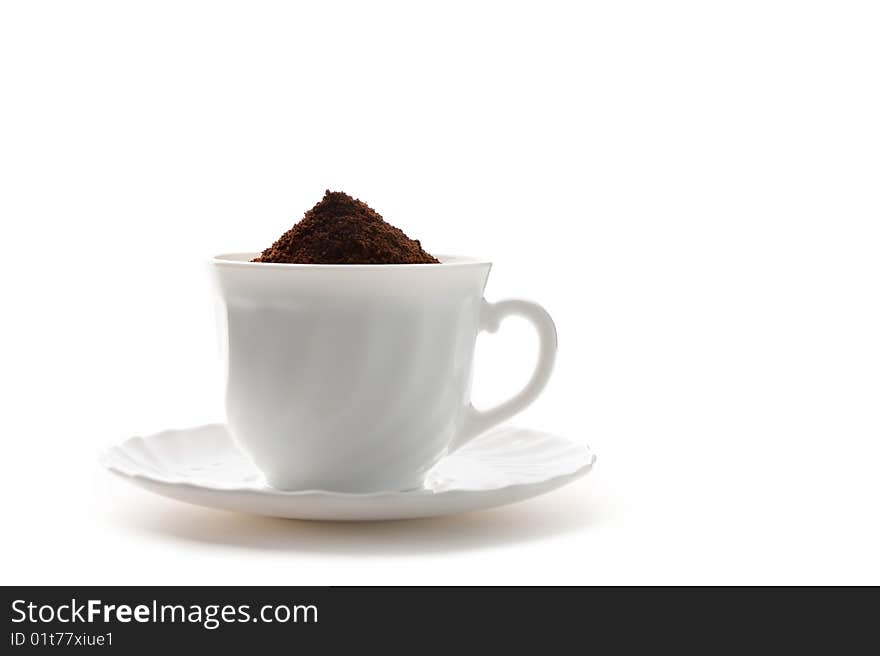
{"x": 204, "y": 466}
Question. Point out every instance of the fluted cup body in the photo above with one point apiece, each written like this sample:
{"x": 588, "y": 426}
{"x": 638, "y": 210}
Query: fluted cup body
{"x": 350, "y": 378}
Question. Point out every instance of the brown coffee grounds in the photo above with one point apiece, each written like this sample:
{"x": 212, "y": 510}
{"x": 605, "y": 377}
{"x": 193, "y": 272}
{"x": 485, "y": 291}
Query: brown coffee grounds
{"x": 343, "y": 230}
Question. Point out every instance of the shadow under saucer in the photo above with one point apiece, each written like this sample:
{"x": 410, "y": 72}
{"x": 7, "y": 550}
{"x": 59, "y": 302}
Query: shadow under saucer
{"x": 563, "y": 512}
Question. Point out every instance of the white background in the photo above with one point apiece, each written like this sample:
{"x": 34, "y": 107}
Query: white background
{"x": 690, "y": 188}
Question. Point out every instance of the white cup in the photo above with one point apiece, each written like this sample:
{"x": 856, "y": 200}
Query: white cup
{"x": 357, "y": 378}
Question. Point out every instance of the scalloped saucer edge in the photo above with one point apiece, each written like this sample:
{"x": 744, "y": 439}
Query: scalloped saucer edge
{"x": 204, "y": 466}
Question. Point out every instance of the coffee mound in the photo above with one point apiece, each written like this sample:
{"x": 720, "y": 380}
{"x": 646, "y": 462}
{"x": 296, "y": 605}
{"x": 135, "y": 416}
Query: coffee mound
{"x": 343, "y": 230}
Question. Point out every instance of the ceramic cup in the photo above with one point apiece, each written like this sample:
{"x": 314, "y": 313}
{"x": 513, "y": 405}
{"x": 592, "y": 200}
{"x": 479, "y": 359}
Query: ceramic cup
{"x": 357, "y": 378}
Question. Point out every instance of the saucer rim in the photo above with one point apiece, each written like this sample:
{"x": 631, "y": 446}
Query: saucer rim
{"x": 107, "y": 460}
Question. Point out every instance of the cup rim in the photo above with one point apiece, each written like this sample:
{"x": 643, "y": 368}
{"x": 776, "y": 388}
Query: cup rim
{"x": 243, "y": 259}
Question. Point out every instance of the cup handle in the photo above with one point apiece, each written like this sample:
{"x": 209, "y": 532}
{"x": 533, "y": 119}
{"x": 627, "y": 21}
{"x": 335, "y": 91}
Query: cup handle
{"x": 477, "y": 421}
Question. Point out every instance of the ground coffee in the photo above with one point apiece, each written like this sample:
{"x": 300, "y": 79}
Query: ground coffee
{"x": 343, "y": 230}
